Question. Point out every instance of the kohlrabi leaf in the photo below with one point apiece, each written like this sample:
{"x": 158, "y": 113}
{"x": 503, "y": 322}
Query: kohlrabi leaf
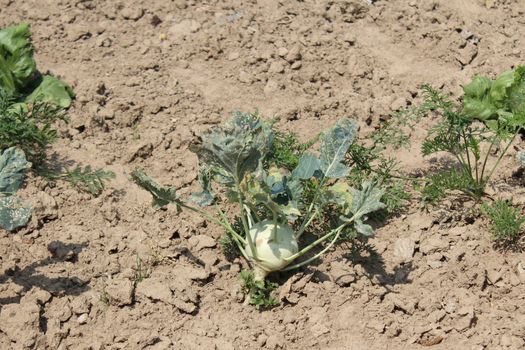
{"x": 161, "y": 195}
{"x": 13, "y": 166}
{"x": 362, "y": 228}
{"x": 366, "y": 200}
{"x": 17, "y": 65}
{"x": 204, "y": 197}
{"x": 334, "y": 145}
{"x": 339, "y": 194}
{"x": 52, "y": 90}
{"x": 236, "y": 148}
{"x": 274, "y": 191}
{"x": 13, "y": 214}
{"x": 308, "y": 165}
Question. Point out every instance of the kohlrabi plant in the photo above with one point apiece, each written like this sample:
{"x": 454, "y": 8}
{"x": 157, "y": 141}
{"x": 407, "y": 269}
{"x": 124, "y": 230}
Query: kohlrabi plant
{"x": 275, "y": 214}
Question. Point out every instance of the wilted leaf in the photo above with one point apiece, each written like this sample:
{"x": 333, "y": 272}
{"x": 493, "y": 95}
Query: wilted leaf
{"x": 13, "y": 166}
{"x": 161, "y": 195}
{"x": 13, "y": 214}
{"x": 334, "y": 145}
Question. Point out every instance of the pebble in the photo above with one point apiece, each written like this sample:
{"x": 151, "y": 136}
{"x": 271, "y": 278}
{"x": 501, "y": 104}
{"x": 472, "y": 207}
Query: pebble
{"x": 276, "y": 67}
{"x": 133, "y": 13}
{"x": 294, "y": 54}
{"x": 404, "y": 248}
{"x": 245, "y": 77}
{"x": 82, "y": 319}
{"x": 296, "y": 65}
{"x": 282, "y": 51}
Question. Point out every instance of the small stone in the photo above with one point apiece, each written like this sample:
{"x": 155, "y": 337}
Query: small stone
{"x": 45, "y": 207}
{"x": 276, "y": 67}
{"x": 404, "y": 249}
{"x": 120, "y": 292}
{"x": 186, "y": 307}
{"x": 494, "y": 275}
{"x": 133, "y": 13}
{"x": 282, "y": 51}
{"x": 296, "y": 65}
{"x": 349, "y": 38}
{"x": 81, "y": 305}
{"x": 82, "y": 319}
{"x": 294, "y": 54}
{"x": 245, "y": 77}
{"x": 203, "y": 241}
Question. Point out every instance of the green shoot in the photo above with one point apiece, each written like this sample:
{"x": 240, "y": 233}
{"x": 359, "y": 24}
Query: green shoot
{"x": 259, "y": 292}
{"x": 505, "y": 221}
{"x": 85, "y": 179}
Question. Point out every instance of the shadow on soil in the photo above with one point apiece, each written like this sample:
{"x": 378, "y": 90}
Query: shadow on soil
{"x": 30, "y": 277}
{"x": 365, "y": 255}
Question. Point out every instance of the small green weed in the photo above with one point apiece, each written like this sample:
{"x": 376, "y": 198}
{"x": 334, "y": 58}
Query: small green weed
{"x": 506, "y": 221}
{"x": 259, "y": 292}
{"x": 286, "y": 150}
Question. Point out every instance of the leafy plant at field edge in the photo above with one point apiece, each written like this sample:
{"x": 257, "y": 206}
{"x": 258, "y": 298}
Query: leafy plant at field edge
{"x": 506, "y": 221}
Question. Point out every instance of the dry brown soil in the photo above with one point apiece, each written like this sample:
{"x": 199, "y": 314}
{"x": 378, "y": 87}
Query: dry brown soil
{"x": 150, "y": 75}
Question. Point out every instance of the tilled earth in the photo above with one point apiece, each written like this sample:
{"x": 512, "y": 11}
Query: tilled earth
{"x": 113, "y": 273}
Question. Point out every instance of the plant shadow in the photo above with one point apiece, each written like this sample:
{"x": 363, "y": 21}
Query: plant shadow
{"x": 364, "y": 254}
{"x": 30, "y": 277}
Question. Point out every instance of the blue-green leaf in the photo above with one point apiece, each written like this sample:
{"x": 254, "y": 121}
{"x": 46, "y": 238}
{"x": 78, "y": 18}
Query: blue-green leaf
{"x": 334, "y": 145}
{"x": 13, "y": 214}
{"x": 308, "y": 165}
{"x": 236, "y": 148}
{"x": 13, "y": 166}
{"x": 161, "y": 195}
{"x": 204, "y": 197}
{"x": 363, "y": 228}
{"x": 366, "y": 200}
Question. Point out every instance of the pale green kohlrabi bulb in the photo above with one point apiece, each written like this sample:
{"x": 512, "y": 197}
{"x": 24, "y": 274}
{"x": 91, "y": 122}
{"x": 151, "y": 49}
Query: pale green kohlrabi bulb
{"x": 271, "y": 249}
